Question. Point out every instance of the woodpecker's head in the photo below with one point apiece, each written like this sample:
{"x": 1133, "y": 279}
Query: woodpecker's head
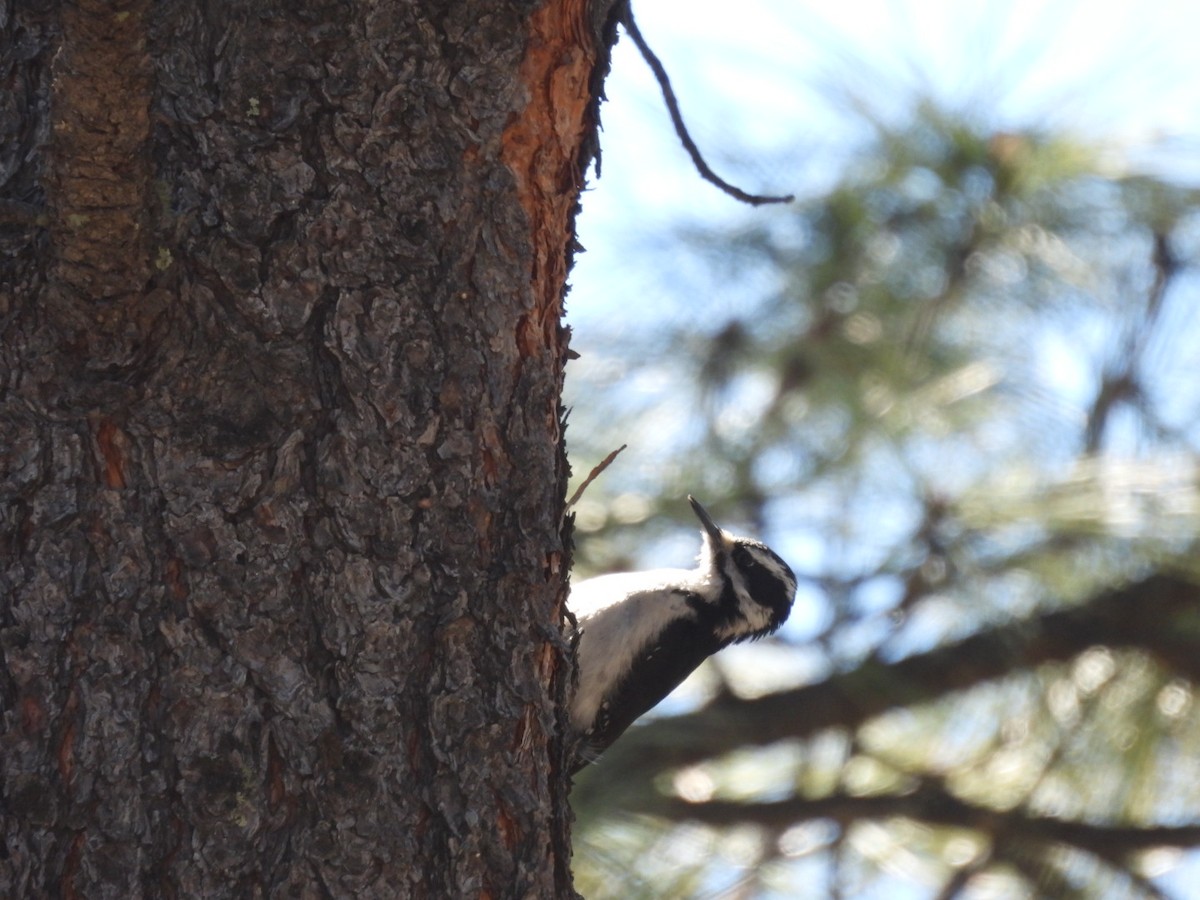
{"x": 757, "y": 588}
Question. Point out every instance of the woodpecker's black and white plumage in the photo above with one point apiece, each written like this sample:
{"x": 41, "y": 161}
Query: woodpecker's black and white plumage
{"x": 642, "y": 633}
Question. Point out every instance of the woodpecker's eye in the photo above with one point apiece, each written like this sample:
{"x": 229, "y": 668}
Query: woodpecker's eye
{"x": 746, "y": 560}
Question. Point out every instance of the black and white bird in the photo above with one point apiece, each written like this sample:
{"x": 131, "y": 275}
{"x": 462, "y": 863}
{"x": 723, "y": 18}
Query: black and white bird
{"x": 642, "y": 633}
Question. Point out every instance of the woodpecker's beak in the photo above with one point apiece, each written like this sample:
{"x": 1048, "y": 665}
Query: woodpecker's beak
{"x": 714, "y": 531}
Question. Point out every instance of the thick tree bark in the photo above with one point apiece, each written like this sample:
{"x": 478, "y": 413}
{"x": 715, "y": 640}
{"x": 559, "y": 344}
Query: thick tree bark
{"x": 281, "y": 469}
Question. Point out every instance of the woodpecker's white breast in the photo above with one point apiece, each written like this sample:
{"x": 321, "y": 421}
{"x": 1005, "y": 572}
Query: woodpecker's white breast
{"x": 619, "y": 615}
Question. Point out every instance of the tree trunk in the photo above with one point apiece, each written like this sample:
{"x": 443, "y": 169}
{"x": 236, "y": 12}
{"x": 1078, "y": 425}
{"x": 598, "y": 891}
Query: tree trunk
{"x": 281, "y": 468}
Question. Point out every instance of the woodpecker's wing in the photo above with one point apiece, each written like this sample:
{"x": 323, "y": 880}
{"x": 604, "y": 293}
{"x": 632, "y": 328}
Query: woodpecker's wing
{"x": 670, "y": 657}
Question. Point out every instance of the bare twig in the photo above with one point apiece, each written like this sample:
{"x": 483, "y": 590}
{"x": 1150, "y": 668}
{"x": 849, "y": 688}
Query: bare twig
{"x": 963, "y": 876}
{"x": 664, "y": 83}
{"x": 593, "y": 475}
{"x": 1120, "y": 383}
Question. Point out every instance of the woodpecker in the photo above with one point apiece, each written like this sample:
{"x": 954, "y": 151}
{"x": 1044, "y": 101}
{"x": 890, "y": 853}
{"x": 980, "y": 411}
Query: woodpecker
{"x": 642, "y": 633}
